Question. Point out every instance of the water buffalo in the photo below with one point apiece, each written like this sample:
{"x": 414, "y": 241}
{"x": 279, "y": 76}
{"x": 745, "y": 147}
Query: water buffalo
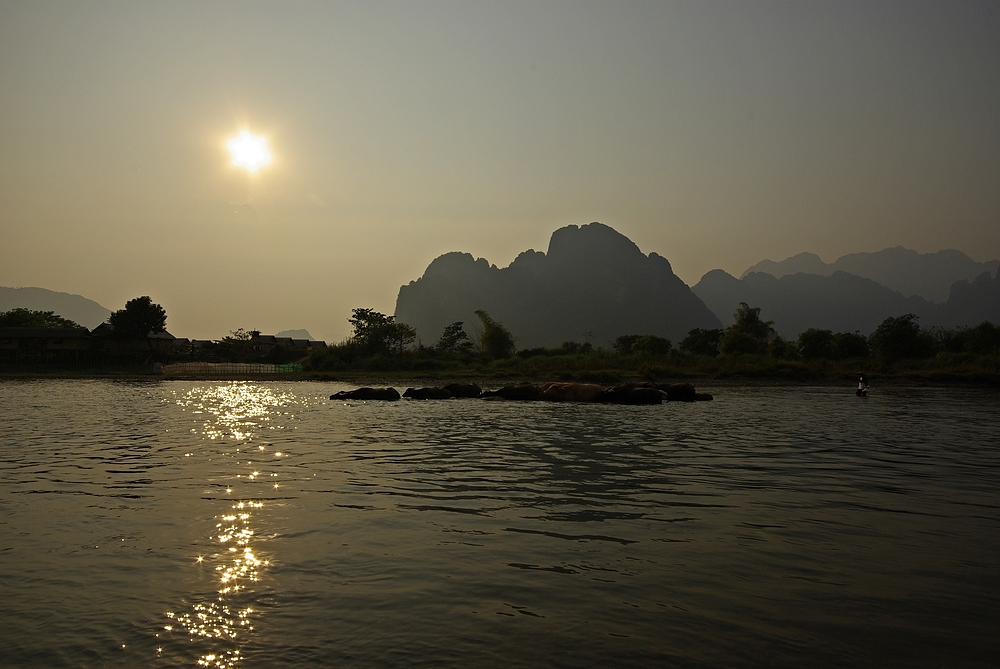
{"x": 678, "y": 392}
{"x": 683, "y": 392}
{"x": 428, "y": 394}
{"x": 524, "y": 391}
{"x": 634, "y": 393}
{"x": 388, "y": 394}
{"x": 571, "y": 392}
{"x": 464, "y": 389}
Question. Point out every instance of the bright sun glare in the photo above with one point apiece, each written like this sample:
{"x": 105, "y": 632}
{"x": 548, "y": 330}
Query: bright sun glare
{"x": 249, "y": 151}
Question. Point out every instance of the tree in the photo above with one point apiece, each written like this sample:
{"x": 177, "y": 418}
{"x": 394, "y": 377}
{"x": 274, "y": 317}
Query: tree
{"x": 400, "y": 337}
{"x": 495, "y": 340}
{"x": 646, "y": 345}
{"x": 26, "y": 318}
{"x": 454, "y": 339}
{"x": 649, "y": 345}
{"x": 574, "y": 348}
{"x": 748, "y": 322}
{"x": 623, "y": 344}
{"x": 815, "y": 344}
{"x": 140, "y": 317}
{"x": 378, "y": 333}
{"x": 748, "y": 335}
{"x": 702, "y": 342}
{"x": 901, "y": 337}
{"x": 735, "y": 342}
{"x": 782, "y": 349}
{"x": 850, "y": 345}
{"x": 238, "y": 345}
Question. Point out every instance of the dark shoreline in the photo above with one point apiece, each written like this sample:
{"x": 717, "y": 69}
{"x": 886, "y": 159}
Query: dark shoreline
{"x": 909, "y": 378}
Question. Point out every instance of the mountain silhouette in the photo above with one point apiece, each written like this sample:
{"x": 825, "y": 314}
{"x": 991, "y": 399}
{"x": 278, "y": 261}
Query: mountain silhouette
{"x": 972, "y": 302}
{"x": 295, "y": 334}
{"x": 77, "y": 308}
{"x": 592, "y": 284}
{"x": 795, "y": 302}
{"x": 928, "y": 275}
{"x": 844, "y": 302}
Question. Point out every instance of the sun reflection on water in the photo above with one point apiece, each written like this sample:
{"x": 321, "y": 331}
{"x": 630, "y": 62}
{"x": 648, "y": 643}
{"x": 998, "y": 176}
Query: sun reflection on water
{"x": 239, "y": 412}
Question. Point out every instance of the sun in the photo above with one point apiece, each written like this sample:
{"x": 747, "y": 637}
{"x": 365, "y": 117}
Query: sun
{"x": 249, "y": 151}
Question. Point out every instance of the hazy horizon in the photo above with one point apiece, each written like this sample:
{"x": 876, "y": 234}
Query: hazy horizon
{"x": 715, "y": 134}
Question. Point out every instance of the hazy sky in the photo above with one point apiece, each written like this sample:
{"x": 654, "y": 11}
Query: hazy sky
{"x": 716, "y": 134}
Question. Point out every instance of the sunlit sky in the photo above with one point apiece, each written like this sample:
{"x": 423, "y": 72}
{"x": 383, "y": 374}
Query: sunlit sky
{"x": 716, "y": 134}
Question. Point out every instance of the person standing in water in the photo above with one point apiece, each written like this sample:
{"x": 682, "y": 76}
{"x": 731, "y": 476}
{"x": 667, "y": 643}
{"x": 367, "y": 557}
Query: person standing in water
{"x": 862, "y": 385}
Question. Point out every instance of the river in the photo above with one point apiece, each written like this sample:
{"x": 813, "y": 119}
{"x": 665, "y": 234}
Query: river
{"x": 245, "y": 524}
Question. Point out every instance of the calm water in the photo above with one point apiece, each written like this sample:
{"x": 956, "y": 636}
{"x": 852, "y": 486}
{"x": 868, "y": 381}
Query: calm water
{"x": 186, "y": 524}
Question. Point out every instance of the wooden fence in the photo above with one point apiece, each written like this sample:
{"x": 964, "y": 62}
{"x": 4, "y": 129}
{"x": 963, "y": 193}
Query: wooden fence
{"x": 225, "y": 368}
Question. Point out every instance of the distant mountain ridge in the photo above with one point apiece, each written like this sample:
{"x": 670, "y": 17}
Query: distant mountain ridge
{"x": 593, "y": 284}
{"x": 844, "y": 302}
{"x": 295, "y": 334}
{"x": 927, "y": 275}
{"x": 77, "y": 308}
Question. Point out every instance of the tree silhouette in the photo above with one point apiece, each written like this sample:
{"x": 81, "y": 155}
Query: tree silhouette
{"x": 749, "y": 335}
{"x": 26, "y": 318}
{"x": 454, "y": 339}
{"x": 140, "y": 317}
{"x": 702, "y": 342}
{"x": 901, "y": 337}
{"x": 495, "y": 340}
{"x": 748, "y": 322}
{"x": 378, "y": 333}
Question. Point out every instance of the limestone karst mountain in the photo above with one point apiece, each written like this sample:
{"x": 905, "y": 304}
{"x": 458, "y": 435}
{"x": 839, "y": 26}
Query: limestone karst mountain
{"x": 928, "y": 275}
{"x": 971, "y": 302}
{"x": 807, "y": 263}
{"x": 844, "y": 302}
{"x": 76, "y": 308}
{"x": 593, "y": 284}
{"x": 841, "y": 302}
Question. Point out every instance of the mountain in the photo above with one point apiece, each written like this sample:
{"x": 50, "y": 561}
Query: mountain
{"x": 972, "y": 302}
{"x": 928, "y": 275}
{"x": 844, "y": 302}
{"x": 295, "y": 334}
{"x": 803, "y": 263}
{"x": 74, "y": 307}
{"x": 593, "y": 284}
{"x": 795, "y": 302}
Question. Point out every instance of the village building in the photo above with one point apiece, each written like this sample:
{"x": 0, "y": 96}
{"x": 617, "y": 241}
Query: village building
{"x": 44, "y": 339}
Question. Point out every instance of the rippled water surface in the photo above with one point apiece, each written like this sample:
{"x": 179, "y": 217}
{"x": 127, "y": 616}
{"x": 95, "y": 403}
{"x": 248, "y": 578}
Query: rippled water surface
{"x": 186, "y": 524}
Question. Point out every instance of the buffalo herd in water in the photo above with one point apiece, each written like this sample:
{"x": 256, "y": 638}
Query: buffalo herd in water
{"x": 633, "y": 392}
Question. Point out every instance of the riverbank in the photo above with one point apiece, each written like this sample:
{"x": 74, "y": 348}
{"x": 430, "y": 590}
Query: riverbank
{"x": 494, "y": 377}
